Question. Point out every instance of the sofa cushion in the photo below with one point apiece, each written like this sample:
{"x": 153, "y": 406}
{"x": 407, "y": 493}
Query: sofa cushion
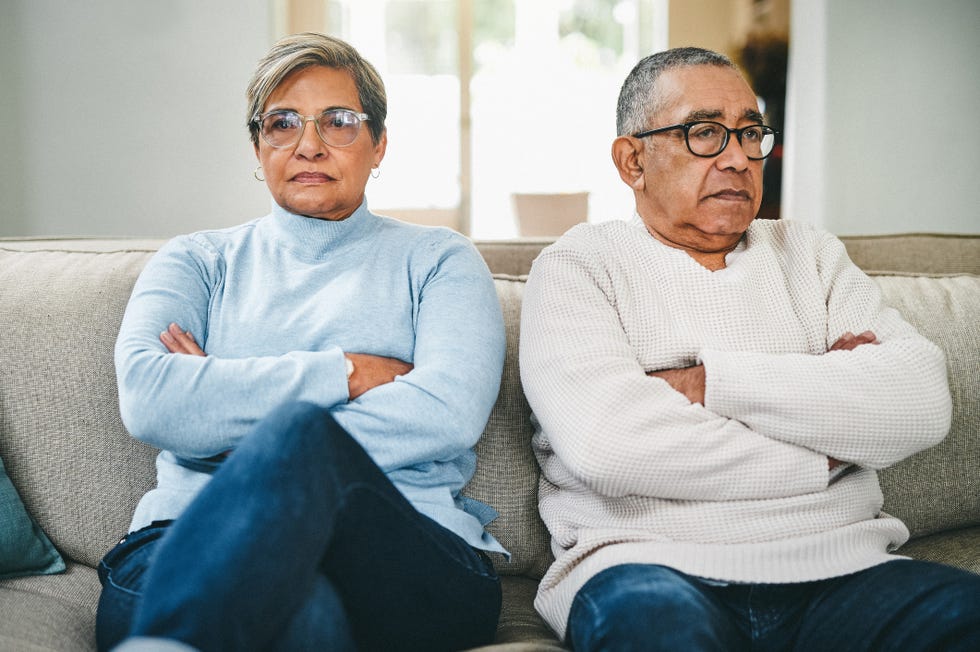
{"x": 24, "y": 548}
{"x": 939, "y": 488}
{"x": 520, "y": 625}
{"x": 50, "y": 612}
{"x": 953, "y": 548}
{"x": 507, "y": 474}
{"x": 61, "y": 437}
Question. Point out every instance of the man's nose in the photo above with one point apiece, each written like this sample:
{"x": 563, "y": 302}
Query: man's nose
{"x": 733, "y": 156}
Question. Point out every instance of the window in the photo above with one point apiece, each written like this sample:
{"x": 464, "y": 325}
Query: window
{"x": 488, "y": 98}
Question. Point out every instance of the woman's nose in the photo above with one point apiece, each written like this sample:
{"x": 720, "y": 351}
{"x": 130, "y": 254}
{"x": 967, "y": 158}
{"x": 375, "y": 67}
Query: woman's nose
{"x": 310, "y": 144}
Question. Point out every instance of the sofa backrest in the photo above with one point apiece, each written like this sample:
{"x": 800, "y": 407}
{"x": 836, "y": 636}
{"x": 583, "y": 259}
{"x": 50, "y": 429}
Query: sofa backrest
{"x": 932, "y": 279}
{"x": 915, "y": 253}
{"x": 939, "y": 488}
{"x": 61, "y": 437}
{"x": 506, "y": 473}
{"x": 64, "y": 444}
{"x": 80, "y": 474}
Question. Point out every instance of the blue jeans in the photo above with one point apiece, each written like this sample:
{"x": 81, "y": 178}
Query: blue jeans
{"x": 299, "y": 542}
{"x": 900, "y": 605}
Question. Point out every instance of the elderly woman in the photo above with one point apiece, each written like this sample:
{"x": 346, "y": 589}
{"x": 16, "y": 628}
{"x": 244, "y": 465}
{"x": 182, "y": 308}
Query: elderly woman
{"x": 320, "y": 380}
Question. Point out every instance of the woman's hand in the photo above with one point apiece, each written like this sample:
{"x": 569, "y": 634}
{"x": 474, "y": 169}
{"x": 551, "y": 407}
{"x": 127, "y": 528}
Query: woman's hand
{"x": 369, "y": 370}
{"x": 177, "y": 340}
{"x": 373, "y": 370}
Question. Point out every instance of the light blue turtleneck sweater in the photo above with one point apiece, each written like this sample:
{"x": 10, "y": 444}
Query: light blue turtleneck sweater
{"x": 275, "y": 303}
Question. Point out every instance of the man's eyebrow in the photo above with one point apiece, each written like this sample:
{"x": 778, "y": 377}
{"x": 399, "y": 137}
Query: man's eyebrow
{"x": 703, "y": 114}
{"x": 750, "y": 115}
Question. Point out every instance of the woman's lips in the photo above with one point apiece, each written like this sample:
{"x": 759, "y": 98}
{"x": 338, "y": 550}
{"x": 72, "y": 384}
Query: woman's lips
{"x": 312, "y": 177}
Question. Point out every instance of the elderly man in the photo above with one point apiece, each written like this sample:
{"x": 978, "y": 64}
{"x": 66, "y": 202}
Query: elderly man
{"x": 713, "y": 396}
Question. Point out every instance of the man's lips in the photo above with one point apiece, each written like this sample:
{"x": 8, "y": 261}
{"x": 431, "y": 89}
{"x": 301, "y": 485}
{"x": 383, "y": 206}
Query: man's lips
{"x": 312, "y": 177}
{"x": 730, "y": 194}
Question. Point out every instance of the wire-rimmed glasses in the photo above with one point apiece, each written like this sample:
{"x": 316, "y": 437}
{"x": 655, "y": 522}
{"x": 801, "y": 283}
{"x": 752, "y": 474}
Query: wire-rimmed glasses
{"x": 335, "y": 127}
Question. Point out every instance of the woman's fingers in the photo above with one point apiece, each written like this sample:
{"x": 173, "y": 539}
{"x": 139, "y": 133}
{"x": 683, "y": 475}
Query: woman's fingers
{"x": 177, "y": 340}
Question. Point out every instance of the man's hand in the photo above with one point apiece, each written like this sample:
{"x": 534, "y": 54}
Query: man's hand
{"x": 373, "y": 370}
{"x": 849, "y": 341}
{"x": 689, "y": 381}
{"x": 177, "y": 340}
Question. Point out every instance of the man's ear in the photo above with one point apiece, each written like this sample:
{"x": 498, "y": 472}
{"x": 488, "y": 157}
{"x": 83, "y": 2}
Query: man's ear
{"x": 627, "y": 157}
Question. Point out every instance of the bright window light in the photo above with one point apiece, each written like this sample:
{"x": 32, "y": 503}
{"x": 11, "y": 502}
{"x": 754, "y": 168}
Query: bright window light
{"x": 540, "y": 108}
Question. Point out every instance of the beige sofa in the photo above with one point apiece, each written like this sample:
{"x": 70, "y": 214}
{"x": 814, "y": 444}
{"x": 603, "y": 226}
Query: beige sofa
{"x": 80, "y": 474}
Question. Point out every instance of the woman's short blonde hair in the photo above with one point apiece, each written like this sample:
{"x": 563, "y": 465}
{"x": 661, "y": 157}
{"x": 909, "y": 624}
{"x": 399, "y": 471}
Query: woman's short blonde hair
{"x": 299, "y": 51}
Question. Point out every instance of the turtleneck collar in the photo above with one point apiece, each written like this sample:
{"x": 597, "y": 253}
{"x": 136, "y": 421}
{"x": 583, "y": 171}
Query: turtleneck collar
{"x": 312, "y": 237}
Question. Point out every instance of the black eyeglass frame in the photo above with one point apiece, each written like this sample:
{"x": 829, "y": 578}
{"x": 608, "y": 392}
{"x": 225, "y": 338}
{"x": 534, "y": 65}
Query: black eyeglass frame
{"x": 259, "y": 118}
{"x": 687, "y": 126}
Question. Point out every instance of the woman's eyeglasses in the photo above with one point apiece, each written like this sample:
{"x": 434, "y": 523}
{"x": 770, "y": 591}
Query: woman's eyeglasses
{"x": 335, "y": 127}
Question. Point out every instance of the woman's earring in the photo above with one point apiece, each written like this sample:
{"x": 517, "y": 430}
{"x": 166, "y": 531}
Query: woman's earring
{"x": 255, "y": 173}
{"x": 375, "y": 173}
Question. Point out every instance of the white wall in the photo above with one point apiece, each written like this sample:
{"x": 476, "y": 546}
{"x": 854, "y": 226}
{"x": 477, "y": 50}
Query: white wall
{"x": 127, "y": 117}
{"x": 882, "y": 132}
{"x": 883, "y": 135}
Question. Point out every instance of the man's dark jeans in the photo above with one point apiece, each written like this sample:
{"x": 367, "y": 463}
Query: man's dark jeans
{"x": 901, "y": 605}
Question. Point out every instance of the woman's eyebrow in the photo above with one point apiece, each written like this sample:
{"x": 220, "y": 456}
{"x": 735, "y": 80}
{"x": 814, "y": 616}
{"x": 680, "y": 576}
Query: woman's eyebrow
{"x": 329, "y": 108}
{"x": 273, "y": 107}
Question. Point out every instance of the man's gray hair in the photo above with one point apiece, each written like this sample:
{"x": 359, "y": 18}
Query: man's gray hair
{"x": 639, "y": 98}
{"x": 299, "y": 51}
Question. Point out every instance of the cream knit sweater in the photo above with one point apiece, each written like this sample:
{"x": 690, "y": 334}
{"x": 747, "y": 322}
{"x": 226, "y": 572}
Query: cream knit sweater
{"x": 737, "y": 489}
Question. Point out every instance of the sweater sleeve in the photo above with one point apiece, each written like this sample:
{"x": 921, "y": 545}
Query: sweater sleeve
{"x": 194, "y": 406}
{"x": 871, "y": 406}
{"x": 440, "y": 408}
{"x": 620, "y": 432}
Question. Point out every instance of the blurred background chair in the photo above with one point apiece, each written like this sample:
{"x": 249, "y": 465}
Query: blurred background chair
{"x": 549, "y": 214}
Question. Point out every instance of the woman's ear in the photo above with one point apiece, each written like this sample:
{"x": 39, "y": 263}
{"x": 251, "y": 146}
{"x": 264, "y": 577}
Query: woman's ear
{"x": 381, "y": 147}
{"x": 626, "y": 154}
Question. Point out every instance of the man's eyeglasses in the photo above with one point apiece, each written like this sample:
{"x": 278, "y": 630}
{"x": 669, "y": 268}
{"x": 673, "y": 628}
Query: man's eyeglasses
{"x": 284, "y": 128}
{"x": 709, "y": 139}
